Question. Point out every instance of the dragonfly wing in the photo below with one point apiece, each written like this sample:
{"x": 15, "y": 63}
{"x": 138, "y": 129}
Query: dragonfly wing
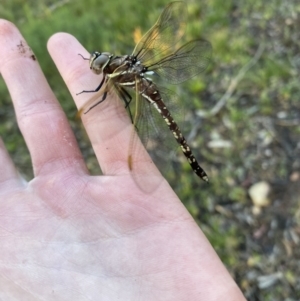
{"x": 151, "y": 129}
{"x": 146, "y": 177}
{"x": 188, "y": 61}
{"x": 163, "y": 36}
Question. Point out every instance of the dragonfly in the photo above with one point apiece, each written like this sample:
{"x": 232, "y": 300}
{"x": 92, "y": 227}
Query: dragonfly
{"x": 155, "y": 59}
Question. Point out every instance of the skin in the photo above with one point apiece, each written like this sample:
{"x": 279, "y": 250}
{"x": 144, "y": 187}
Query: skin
{"x": 67, "y": 235}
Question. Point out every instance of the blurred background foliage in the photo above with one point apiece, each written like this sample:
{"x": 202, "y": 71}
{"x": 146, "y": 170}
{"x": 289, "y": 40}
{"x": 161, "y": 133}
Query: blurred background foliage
{"x": 243, "y": 121}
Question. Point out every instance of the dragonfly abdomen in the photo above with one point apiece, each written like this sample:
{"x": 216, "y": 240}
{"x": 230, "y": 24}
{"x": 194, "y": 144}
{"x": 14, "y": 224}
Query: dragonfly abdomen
{"x": 164, "y": 112}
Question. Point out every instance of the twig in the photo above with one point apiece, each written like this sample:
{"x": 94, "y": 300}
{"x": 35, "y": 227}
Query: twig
{"x": 58, "y": 4}
{"x": 234, "y": 82}
{"x": 292, "y": 122}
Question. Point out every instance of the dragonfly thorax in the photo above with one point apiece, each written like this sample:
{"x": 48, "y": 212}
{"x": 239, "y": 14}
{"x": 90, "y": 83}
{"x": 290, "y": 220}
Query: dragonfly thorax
{"x": 138, "y": 68}
{"x": 99, "y": 60}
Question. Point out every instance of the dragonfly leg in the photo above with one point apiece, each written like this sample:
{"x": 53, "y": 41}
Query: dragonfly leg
{"x": 96, "y": 90}
{"x": 129, "y": 98}
{"x": 126, "y": 97}
{"x": 94, "y": 105}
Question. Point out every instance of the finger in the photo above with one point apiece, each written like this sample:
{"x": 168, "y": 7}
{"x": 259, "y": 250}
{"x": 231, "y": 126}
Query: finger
{"x": 8, "y": 175}
{"x": 108, "y": 124}
{"x": 41, "y": 120}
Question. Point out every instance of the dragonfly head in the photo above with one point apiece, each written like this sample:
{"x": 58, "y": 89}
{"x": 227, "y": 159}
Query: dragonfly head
{"x": 99, "y": 60}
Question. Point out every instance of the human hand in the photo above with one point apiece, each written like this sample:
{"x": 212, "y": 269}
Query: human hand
{"x": 66, "y": 235}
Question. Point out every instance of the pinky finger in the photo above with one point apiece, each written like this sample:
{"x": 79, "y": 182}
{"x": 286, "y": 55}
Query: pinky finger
{"x": 8, "y": 172}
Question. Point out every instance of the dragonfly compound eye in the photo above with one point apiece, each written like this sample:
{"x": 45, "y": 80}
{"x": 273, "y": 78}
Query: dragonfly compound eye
{"x": 98, "y": 61}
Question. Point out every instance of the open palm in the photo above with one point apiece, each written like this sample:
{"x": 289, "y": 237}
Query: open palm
{"x": 66, "y": 235}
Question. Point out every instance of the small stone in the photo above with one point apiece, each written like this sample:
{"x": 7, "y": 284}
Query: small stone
{"x": 259, "y": 193}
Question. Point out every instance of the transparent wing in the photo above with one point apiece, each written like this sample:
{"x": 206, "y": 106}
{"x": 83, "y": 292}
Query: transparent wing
{"x": 156, "y": 49}
{"x": 188, "y": 61}
{"x": 163, "y": 36}
{"x": 152, "y": 130}
{"x": 108, "y": 86}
